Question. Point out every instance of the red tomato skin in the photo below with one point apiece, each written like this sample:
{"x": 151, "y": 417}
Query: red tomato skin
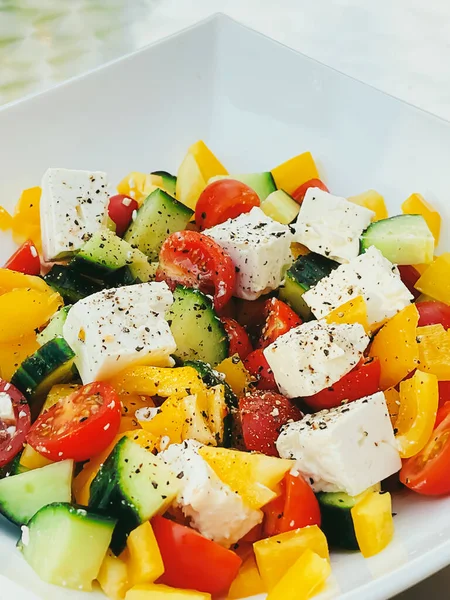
{"x": 10, "y": 446}
{"x": 442, "y": 413}
{"x": 363, "y": 380}
{"x": 194, "y": 260}
{"x": 83, "y": 437}
{"x": 120, "y": 211}
{"x": 25, "y": 260}
{"x": 263, "y": 414}
{"x": 433, "y": 313}
{"x": 409, "y": 275}
{"x": 444, "y": 392}
{"x": 257, "y": 365}
{"x": 427, "y": 472}
{"x": 280, "y": 318}
{"x": 238, "y": 338}
{"x": 193, "y": 562}
{"x": 300, "y": 192}
{"x": 222, "y": 200}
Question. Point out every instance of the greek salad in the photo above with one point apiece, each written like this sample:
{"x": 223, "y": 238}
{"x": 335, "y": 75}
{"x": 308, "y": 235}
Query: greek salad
{"x": 209, "y": 380}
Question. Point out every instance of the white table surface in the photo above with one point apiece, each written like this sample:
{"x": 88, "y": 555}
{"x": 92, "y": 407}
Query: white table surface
{"x": 399, "y": 46}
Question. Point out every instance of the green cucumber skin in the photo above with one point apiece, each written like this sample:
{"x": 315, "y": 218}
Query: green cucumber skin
{"x": 70, "y": 284}
{"x": 169, "y": 180}
{"x": 337, "y": 522}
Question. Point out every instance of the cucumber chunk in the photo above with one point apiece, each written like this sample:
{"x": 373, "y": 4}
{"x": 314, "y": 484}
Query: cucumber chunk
{"x": 66, "y": 545}
{"x": 280, "y": 207}
{"x": 70, "y": 284}
{"x": 404, "y": 239}
{"x": 21, "y": 496}
{"x": 198, "y": 331}
{"x": 158, "y": 217}
{"x": 132, "y": 486}
{"x": 165, "y": 181}
{"x": 13, "y": 467}
{"x": 55, "y": 326}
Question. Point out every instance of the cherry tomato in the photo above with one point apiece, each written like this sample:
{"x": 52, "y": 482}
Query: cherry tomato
{"x": 263, "y": 414}
{"x": 222, "y": 200}
{"x": 238, "y": 338}
{"x": 257, "y": 365}
{"x": 78, "y": 426}
{"x": 120, "y": 210}
{"x": 444, "y": 392}
{"x": 192, "y": 259}
{"x": 250, "y": 314}
{"x": 442, "y": 413}
{"x": 13, "y": 431}
{"x": 25, "y": 260}
{"x": 300, "y": 192}
{"x": 427, "y": 472}
{"x": 409, "y": 275}
{"x": 433, "y": 313}
{"x": 280, "y": 318}
{"x": 296, "y": 507}
{"x": 363, "y": 380}
{"x": 193, "y": 562}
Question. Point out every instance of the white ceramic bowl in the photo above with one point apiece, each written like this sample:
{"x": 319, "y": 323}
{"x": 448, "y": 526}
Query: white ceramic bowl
{"x": 256, "y": 103}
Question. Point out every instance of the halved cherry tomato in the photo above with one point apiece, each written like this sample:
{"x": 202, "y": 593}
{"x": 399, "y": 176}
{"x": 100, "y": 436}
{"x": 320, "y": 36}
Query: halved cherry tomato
{"x": 222, "y": 200}
{"x": 78, "y": 426}
{"x": 427, "y": 472}
{"x": 120, "y": 210}
{"x": 257, "y": 365}
{"x": 363, "y": 380}
{"x": 296, "y": 507}
{"x": 442, "y": 413}
{"x": 433, "y": 313}
{"x": 193, "y": 562}
{"x": 444, "y": 392}
{"x": 300, "y": 192}
{"x": 250, "y": 314}
{"x": 238, "y": 338}
{"x": 409, "y": 275}
{"x": 192, "y": 259}
{"x": 13, "y": 431}
{"x": 25, "y": 260}
{"x": 262, "y": 415}
{"x": 280, "y": 318}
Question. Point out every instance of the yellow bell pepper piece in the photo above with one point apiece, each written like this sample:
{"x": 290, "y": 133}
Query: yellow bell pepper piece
{"x": 31, "y": 459}
{"x": 373, "y": 523}
{"x": 26, "y": 222}
{"x": 13, "y": 280}
{"x": 297, "y": 170}
{"x": 393, "y": 403}
{"x": 276, "y": 554}
{"x": 169, "y": 420}
{"x": 236, "y": 375}
{"x": 5, "y": 219}
{"x": 373, "y": 201}
{"x": 252, "y": 476}
{"x": 158, "y": 381}
{"x": 419, "y": 398}
{"x": 352, "y": 311}
{"x": 137, "y": 185}
{"x": 305, "y": 578}
{"x": 417, "y": 205}
{"x": 396, "y": 347}
{"x": 208, "y": 163}
{"x": 248, "y": 581}
{"x": 434, "y": 350}
{"x": 58, "y": 392}
{"x": 196, "y": 425}
{"x": 130, "y": 404}
{"x": 13, "y": 353}
{"x": 151, "y": 591}
{"x": 113, "y": 577}
{"x": 145, "y": 563}
{"x": 435, "y": 281}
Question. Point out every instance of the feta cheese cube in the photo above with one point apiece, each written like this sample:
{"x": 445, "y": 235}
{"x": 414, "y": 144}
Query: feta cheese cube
{"x": 6, "y": 409}
{"x": 370, "y": 275}
{"x": 330, "y": 225}
{"x": 348, "y": 448}
{"x": 213, "y": 508}
{"x": 314, "y": 355}
{"x": 73, "y": 206}
{"x": 118, "y": 328}
{"x": 260, "y": 249}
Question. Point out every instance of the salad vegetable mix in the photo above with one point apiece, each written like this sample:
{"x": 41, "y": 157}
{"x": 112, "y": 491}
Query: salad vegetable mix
{"x": 206, "y": 379}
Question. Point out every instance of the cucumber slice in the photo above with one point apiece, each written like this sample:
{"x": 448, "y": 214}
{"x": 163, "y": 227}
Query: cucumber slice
{"x": 21, "y": 496}
{"x": 70, "y": 284}
{"x": 198, "y": 331}
{"x": 262, "y": 183}
{"x": 165, "y": 181}
{"x": 280, "y": 207}
{"x": 55, "y": 326}
{"x": 66, "y": 545}
{"x": 158, "y": 217}
{"x": 306, "y": 271}
{"x": 13, "y": 468}
{"x": 404, "y": 239}
{"x": 132, "y": 485}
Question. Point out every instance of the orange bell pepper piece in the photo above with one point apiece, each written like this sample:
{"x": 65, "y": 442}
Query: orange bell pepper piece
{"x": 435, "y": 281}
{"x": 373, "y": 201}
{"x": 352, "y": 311}
{"x": 434, "y": 350}
{"x": 26, "y": 222}
{"x": 417, "y": 205}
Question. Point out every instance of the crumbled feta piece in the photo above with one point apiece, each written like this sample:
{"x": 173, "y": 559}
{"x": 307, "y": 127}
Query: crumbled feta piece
{"x": 73, "y": 207}
{"x": 330, "y": 225}
{"x": 214, "y": 509}
{"x": 314, "y": 355}
{"x": 260, "y": 249}
{"x": 348, "y": 448}
{"x": 6, "y": 408}
{"x": 120, "y": 327}
{"x": 370, "y": 275}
